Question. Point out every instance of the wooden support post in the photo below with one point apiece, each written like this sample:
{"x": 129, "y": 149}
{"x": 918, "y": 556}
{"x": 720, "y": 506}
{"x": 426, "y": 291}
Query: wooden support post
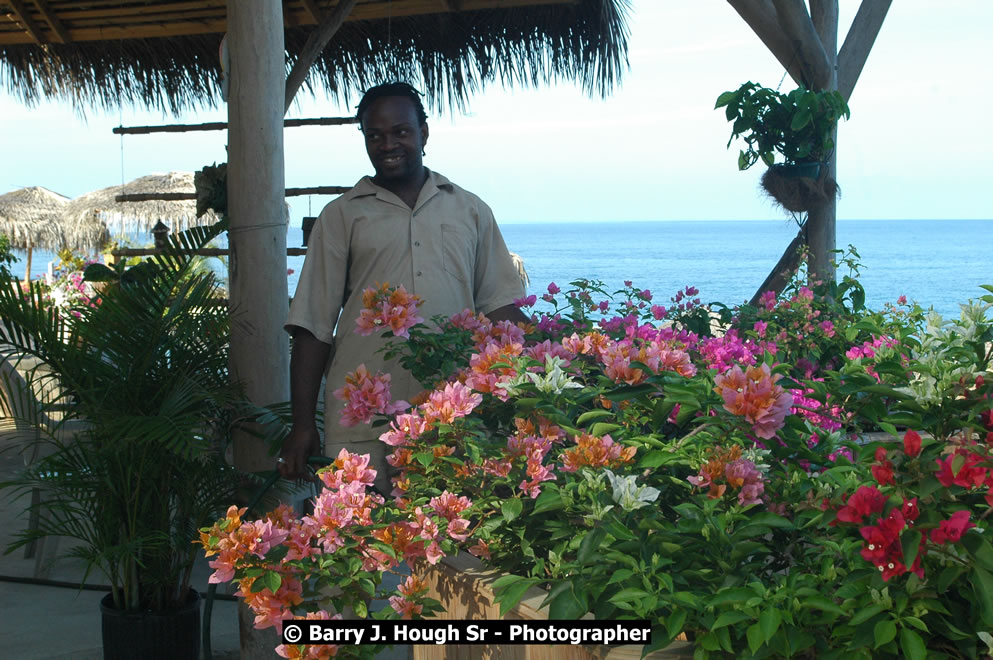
{"x": 784, "y": 269}
{"x": 821, "y": 218}
{"x": 260, "y": 351}
{"x": 257, "y": 236}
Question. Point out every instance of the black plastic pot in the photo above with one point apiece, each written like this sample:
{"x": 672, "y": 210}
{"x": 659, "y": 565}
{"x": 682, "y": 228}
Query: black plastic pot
{"x": 810, "y": 170}
{"x": 172, "y": 635}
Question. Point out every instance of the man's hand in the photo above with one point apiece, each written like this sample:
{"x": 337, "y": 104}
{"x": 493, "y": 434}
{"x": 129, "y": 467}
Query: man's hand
{"x": 307, "y": 363}
{"x": 302, "y": 443}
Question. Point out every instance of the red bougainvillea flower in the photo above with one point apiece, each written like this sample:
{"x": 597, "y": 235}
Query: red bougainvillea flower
{"x": 951, "y": 530}
{"x": 968, "y": 475}
{"x": 882, "y": 469}
{"x": 882, "y": 545}
{"x": 866, "y": 501}
{"x": 911, "y": 443}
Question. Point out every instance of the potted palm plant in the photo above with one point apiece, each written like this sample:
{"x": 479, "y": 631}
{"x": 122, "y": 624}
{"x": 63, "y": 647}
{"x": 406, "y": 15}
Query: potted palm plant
{"x": 146, "y": 367}
{"x": 798, "y": 126}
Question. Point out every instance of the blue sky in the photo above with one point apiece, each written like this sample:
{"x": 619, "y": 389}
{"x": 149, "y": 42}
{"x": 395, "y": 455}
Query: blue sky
{"x": 918, "y": 144}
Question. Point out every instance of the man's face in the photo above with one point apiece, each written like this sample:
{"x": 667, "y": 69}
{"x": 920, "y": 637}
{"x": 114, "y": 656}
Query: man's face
{"x": 394, "y": 139}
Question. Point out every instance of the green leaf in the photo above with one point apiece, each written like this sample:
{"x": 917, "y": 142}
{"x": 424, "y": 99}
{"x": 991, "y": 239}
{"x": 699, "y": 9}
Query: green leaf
{"x": 884, "y": 632}
{"x": 769, "y": 620}
{"x": 510, "y": 589}
{"x": 675, "y": 622}
{"x": 511, "y": 508}
{"x": 912, "y": 645}
{"x": 911, "y": 543}
{"x": 602, "y": 428}
{"x": 865, "y": 613}
{"x": 730, "y": 617}
{"x": 589, "y": 547}
{"x": 564, "y": 603}
{"x": 982, "y": 583}
{"x": 549, "y": 500}
{"x": 754, "y": 634}
{"x": 628, "y": 595}
{"x": 593, "y": 415}
{"x": 271, "y": 580}
{"x": 724, "y": 99}
{"x": 822, "y": 603}
{"x": 978, "y": 548}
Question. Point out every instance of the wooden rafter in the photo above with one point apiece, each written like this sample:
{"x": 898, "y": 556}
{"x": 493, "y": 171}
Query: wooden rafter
{"x": 61, "y": 36}
{"x": 316, "y": 42}
{"x": 222, "y": 125}
{"x": 795, "y": 22}
{"x": 95, "y": 21}
{"x": 21, "y": 14}
{"x": 760, "y": 15}
{"x": 861, "y": 36}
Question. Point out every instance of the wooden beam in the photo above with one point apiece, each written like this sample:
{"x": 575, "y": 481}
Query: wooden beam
{"x": 202, "y": 252}
{"x": 222, "y": 125}
{"x": 316, "y": 42}
{"x": 859, "y": 41}
{"x": 795, "y": 22}
{"x": 760, "y": 15}
{"x": 317, "y": 190}
{"x": 177, "y": 19}
{"x": 21, "y": 14}
{"x": 315, "y": 12}
{"x": 61, "y": 36}
{"x": 784, "y": 268}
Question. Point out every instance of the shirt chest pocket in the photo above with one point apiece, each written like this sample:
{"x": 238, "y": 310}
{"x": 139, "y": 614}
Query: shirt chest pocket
{"x": 457, "y": 252}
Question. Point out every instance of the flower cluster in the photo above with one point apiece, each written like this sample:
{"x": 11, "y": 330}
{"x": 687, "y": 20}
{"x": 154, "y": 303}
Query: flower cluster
{"x": 388, "y": 308}
{"x": 726, "y": 467}
{"x": 288, "y": 567}
{"x": 366, "y": 395}
{"x": 754, "y": 395}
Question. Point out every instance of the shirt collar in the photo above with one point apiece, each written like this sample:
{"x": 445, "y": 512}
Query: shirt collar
{"x": 432, "y": 185}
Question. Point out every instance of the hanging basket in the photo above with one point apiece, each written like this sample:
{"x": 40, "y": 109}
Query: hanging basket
{"x": 172, "y": 635}
{"x": 798, "y": 186}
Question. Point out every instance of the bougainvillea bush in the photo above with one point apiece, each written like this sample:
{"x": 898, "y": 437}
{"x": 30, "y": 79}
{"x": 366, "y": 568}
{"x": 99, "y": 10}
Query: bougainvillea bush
{"x": 804, "y": 478}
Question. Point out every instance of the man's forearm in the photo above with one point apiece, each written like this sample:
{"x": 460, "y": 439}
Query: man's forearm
{"x": 308, "y": 362}
{"x": 510, "y": 313}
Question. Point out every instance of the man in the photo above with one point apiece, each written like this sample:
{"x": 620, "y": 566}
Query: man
{"x": 405, "y": 225}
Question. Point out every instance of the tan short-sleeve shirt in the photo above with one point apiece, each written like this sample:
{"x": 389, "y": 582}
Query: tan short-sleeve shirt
{"x": 447, "y": 249}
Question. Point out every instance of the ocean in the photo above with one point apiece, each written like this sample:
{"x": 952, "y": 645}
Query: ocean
{"x": 938, "y": 263}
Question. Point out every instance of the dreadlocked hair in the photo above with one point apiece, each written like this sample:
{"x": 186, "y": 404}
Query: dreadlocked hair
{"x": 392, "y": 89}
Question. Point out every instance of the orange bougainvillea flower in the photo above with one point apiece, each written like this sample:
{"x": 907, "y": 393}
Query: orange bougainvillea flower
{"x": 754, "y": 395}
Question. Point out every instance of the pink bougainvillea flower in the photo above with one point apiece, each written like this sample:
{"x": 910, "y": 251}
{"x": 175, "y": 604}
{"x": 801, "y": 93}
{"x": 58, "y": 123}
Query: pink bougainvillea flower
{"x": 754, "y": 395}
{"x": 385, "y": 308}
{"x": 366, "y": 395}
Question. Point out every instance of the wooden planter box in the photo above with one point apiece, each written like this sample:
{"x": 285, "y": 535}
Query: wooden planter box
{"x": 464, "y": 587}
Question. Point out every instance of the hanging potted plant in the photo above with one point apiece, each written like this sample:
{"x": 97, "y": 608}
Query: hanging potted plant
{"x": 146, "y": 370}
{"x": 799, "y": 126}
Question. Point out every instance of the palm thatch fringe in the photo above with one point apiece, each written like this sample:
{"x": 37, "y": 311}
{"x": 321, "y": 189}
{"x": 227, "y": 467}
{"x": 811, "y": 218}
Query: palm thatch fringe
{"x": 448, "y": 55}
{"x": 102, "y": 205}
{"x": 29, "y": 217}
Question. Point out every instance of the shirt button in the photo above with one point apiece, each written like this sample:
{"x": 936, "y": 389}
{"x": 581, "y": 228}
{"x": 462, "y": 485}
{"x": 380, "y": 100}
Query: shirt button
{"x": 418, "y": 273}
{"x": 417, "y": 244}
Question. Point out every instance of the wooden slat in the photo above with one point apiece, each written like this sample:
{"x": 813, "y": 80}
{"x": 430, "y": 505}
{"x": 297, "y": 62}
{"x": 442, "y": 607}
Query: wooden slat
{"x": 108, "y": 22}
{"x": 861, "y": 36}
{"x": 221, "y": 125}
{"x": 21, "y": 14}
{"x": 181, "y": 196}
{"x": 202, "y": 252}
{"x": 46, "y": 11}
{"x": 317, "y": 190}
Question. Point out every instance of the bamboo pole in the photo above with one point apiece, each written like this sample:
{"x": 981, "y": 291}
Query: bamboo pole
{"x": 222, "y": 125}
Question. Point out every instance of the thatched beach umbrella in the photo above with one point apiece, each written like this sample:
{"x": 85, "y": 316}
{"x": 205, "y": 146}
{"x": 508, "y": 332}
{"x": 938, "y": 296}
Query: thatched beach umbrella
{"x": 29, "y": 217}
{"x": 128, "y": 216}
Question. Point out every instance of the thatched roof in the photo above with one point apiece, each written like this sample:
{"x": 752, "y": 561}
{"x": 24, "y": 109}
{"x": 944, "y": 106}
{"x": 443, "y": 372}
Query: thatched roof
{"x": 164, "y": 54}
{"x": 29, "y": 217}
{"x": 102, "y": 205}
